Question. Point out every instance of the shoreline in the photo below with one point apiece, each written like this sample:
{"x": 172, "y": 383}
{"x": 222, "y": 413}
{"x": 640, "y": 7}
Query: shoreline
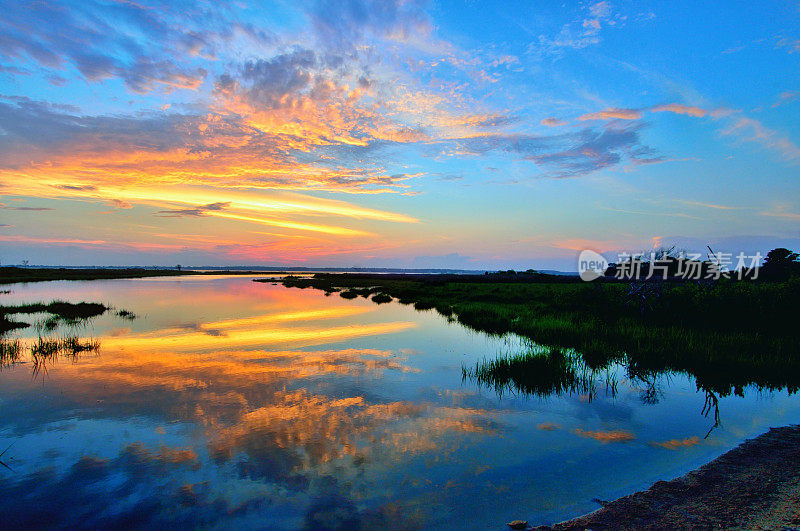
{"x": 753, "y": 486}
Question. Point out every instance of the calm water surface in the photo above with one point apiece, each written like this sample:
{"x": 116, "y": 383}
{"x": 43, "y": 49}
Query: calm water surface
{"x": 233, "y": 403}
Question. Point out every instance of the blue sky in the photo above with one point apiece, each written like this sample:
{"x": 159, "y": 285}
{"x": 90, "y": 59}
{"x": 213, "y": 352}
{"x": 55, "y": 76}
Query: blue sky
{"x": 409, "y": 134}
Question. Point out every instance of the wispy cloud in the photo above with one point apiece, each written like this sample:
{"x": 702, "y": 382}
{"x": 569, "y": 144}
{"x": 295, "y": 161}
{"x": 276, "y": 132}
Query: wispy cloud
{"x": 553, "y": 122}
{"x": 674, "y": 444}
{"x": 119, "y": 39}
{"x": 786, "y": 97}
{"x": 611, "y": 436}
{"x": 201, "y": 210}
{"x": 612, "y": 114}
{"x": 750, "y": 130}
{"x": 711, "y": 205}
{"x": 27, "y": 209}
{"x": 678, "y": 108}
{"x": 581, "y": 33}
{"x": 781, "y": 214}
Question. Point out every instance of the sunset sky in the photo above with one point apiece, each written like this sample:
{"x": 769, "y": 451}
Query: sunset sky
{"x": 396, "y": 133}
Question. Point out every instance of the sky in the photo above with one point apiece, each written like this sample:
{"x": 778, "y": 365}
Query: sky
{"x": 473, "y": 135}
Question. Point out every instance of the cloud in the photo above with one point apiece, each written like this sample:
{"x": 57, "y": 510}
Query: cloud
{"x": 58, "y": 144}
{"x": 296, "y": 98}
{"x": 553, "y": 122}
{"x": 711, "y": 205}
{"x": 612, "y": 114}
{"x": 570, "y": 154}
{"x": 201, "y": 210}
{"x": 678, "y": 108}
{"x": 75, "y": 503}
{"x": 13, "y": 70}
{"x": 342, "y": 24}
{"x": 674, "y": 444}
{"x": 786, "y": 97}
{"x": 28, "y": 209}
{"x": 792, "y": 44}
{"x": 781, "y": 214}
{"x": 606, "y": 436}
{"x": 76, "y": 187}
{"x": 136, "y": 43}
{"x": 581, "y": 33}
{"x": 750, "y": 130}
{"x": 52, "y": 241}
{"x": 120, "y": 204}
{"x": 594, "y": 150}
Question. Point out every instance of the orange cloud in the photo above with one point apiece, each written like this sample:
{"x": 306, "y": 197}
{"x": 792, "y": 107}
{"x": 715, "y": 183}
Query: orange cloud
{"x": 612, "y": 114}
{"x": 674, "y": 444}
{"x": 678, "y": 108}
{"x": 553, "y": 122}
{"x": 606, "y": 436}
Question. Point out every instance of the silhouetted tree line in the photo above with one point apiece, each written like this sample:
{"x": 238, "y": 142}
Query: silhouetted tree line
{"x": 780, "y": 264}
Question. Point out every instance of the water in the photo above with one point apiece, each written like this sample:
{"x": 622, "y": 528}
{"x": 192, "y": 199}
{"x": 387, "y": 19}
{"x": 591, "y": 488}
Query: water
{"x": 228, "y": 403}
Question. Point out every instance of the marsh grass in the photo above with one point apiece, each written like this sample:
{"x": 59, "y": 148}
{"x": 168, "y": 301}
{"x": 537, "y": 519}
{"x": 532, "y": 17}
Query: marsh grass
{"x": 728, "y": 335}
{"x": 58, "y": 313}
{"x": 69, "y": 346}
{"x": 10, "y": 351}
{"x": 540, "y": 371}
{"x": 46, "y": 351}
{"x": 126, "y": 314}
{"x": 46, "y": 348}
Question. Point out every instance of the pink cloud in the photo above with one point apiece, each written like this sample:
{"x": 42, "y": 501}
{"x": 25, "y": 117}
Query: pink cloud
{"x": 614, "y": 113}
{"x": 678, "y": 108}
{"x": 553, "y": 122}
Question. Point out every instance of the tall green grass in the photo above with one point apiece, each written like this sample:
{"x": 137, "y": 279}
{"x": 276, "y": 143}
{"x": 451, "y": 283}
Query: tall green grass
{"x": 728, "y": 335}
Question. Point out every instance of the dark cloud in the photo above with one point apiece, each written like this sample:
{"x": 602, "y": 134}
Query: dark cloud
{"x": 76, "y": 187}
{"x": 13, "y": 70}
{"x": 141, "y": 43}
{"x": 28, "y": 209}
{"x": 137, "y": 482}
{"x": 570, "y": 154}
{"x": 30, "y": 124}
{"x": 197, "y": 211}
{"x": 267, "y": 82}
{"x": 35, "y": 129}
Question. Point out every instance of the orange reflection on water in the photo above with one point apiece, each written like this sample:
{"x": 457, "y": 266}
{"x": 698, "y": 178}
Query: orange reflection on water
{"x": 251, "y": 381}
{"x": 250, "y": 337}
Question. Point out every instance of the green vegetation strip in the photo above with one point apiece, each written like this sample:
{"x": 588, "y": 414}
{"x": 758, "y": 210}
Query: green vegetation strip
{"x": 60, "y": 311}
{"x": 728, "y": 335}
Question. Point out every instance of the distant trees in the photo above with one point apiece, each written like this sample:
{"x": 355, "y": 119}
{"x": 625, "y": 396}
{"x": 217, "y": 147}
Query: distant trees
{"x": 780, "y": 264}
